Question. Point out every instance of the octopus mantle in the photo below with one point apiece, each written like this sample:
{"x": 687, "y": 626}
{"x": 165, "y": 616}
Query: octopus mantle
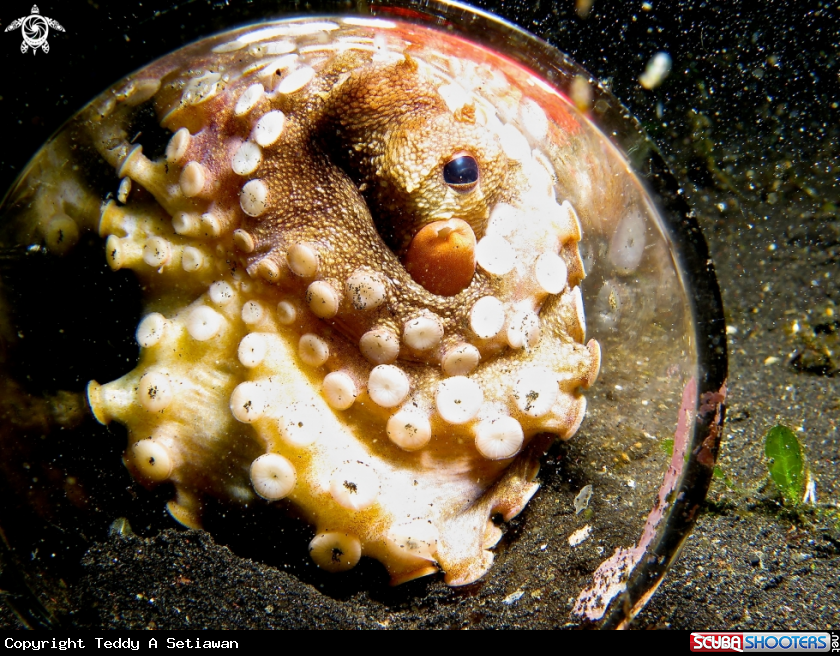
{"x": 361, "y": 292}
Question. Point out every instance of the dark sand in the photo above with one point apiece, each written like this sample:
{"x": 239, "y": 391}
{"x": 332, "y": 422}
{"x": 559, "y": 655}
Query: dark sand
{"x": 749, "y": 121}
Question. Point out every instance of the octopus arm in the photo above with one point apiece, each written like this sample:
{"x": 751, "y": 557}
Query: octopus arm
{"x": 361, "y": 293}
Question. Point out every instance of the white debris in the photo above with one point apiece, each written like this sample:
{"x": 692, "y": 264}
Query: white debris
{"x": 582, "y": 499}
{"x": 513, "y": 597}
{"x": 810, "y": 490}
{"x": 580, "y": 535}
{"x": 656, "y": 71}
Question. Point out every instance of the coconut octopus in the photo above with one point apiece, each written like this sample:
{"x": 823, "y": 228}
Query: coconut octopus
{"x": 361, "y": 286}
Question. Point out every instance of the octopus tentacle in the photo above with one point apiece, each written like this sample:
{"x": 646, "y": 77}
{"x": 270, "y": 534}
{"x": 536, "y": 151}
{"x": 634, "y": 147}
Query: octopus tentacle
{"x": 361, "y": 291}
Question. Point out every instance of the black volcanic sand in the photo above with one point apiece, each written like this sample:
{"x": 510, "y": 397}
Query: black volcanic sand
{"x": 749, "y": 121}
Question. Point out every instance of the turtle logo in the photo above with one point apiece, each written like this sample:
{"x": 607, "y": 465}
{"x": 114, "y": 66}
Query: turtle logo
{"x": 35, "y": 29}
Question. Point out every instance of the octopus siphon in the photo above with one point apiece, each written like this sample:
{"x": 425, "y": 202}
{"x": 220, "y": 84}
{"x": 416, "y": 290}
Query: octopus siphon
{"x": 361, "y": 282}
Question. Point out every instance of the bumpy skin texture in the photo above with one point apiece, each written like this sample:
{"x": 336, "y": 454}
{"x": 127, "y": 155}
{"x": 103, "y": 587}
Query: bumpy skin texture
{"x": 281, "y": 322}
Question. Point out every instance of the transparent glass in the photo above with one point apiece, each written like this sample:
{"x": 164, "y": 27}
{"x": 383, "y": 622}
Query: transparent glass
{"x": 618, "y": 497}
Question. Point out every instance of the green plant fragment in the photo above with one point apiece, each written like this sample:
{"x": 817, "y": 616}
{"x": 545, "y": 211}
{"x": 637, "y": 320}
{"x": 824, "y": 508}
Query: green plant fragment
{"x": 785, "y": 463}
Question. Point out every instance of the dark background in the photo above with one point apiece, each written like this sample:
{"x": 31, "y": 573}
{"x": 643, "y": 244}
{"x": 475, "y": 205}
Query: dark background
{"x": 749, "y": 121}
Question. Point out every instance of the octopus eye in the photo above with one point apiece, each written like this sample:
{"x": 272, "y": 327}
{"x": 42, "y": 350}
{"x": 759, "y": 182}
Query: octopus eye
{"x": 461, "y": 172}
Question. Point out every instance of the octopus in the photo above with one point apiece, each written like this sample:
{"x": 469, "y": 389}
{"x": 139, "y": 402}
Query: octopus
{"x": 361, "y": 282}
